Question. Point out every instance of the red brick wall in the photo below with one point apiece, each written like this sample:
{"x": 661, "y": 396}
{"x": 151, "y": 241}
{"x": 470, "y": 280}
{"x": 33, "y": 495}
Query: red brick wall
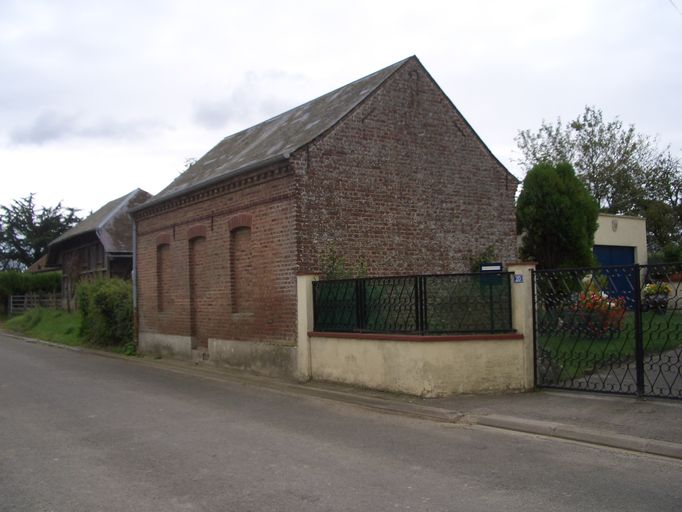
{"x": 269, "y": 208}
{"x": 404, "y": 183}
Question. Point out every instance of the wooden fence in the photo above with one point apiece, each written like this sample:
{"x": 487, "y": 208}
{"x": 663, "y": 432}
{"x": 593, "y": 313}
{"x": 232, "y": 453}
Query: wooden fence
{"x": 19, "y": 304}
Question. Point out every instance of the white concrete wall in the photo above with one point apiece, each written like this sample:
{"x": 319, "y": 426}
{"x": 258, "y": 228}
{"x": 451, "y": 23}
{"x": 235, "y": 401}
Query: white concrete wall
{"x": 623, "y": 231}
{"x": 170, "y": 345}
{"x": 262, "y": 358}
{"x": 423, "y": 368}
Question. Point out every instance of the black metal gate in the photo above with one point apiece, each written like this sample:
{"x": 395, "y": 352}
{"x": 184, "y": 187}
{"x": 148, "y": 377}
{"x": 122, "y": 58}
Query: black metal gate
{"x": 610, "y": 329}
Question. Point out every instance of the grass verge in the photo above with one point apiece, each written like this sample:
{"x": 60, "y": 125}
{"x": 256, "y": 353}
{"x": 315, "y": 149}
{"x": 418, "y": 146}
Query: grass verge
{"x": 59, "y": 327}
{"x": 48, "y": 324}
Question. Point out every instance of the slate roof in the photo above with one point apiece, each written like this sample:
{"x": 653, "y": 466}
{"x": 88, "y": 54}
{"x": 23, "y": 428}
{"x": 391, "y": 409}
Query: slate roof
{"x": 111, "y": 223}
{"x": 276, "y": 138}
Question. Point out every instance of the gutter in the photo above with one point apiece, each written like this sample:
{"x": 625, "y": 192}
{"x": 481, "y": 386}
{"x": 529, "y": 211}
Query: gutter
{"x": 212, "y": 181}
{"x": 134, "y": 280}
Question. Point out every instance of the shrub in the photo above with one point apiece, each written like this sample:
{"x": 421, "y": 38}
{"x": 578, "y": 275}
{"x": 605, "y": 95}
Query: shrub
{"x": 487, "y": 255}
{"x": 557, "y": 216}
{"x": 106, "y": 307}
{"x": 334, "y": 265}
{"x": 17, "y": 283}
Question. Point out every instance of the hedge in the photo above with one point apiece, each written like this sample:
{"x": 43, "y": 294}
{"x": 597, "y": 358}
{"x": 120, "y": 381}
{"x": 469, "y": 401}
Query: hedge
{"x": 19, "y": 283}
{"x": 106, "y": 306}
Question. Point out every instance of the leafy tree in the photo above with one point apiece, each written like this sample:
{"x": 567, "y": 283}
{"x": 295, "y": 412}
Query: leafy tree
{"x": 557, "y": 217}
{"x": 625, "y": 171}
{"x": 26, "y": 230}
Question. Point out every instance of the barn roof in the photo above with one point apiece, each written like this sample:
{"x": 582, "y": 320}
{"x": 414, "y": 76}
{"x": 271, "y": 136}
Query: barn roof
{"x": 276, "y": 138}
{"x": 111, "y": 223}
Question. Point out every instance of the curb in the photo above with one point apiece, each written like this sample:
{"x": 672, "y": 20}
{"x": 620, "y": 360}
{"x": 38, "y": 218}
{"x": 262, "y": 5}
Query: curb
{"x": 385, "y": 405}
{"x": 563, "y": 431}
{"x": 41, "y": 342}
{"x": 389, "y": 406}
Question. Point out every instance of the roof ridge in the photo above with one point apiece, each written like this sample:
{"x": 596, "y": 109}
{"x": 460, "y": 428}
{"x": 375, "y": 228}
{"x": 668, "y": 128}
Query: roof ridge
{"x": 397, "y": 64}
{"x": 96, "y": 228}
{"x": 276, "y": 137}
{"x": 123, "y": 200}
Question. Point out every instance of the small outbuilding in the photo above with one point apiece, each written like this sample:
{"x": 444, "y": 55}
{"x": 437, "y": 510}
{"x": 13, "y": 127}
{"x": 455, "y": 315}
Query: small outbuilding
{"x": 99, "y": 246}
{"x": 384, "y": 171}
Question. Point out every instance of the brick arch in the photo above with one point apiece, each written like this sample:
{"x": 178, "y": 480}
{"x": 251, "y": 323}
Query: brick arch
{"x": 241, "y": 220}
{"x": 163, "y": 239}
{"x": 196, "y": 231}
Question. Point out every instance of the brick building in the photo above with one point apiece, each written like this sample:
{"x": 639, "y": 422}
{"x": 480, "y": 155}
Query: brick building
{"x": 385, "y": 169}
{"x": 99, "y": 246}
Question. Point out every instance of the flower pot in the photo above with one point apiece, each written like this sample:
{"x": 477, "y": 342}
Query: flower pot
{"x": 657, "y": 303}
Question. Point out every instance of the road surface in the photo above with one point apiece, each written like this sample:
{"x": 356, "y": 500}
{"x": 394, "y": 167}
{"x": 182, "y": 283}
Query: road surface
{"x": 81, "y": 432}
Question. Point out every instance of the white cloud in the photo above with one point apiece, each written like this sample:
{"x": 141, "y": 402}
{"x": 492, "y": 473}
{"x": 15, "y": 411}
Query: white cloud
{"x": 121, "y": 93}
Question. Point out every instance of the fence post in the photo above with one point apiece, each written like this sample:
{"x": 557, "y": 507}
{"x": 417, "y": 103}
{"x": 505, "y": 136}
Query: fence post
{"x": 425, "y": 306}
{"x": 417, "y": 305}
{"x": 522, "y": 315}
{"x": 639, "y": 336}
{"x": 360, "y": 305}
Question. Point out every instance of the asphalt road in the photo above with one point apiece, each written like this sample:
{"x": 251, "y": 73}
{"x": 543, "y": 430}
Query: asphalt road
{"x": 80, "y": 432}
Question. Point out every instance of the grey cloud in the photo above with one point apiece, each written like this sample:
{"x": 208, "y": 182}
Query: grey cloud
{"x": 216, "y": 114}
{"x": 251, "y": 101}
{"x": 46, "y": 127}
{"x": 51, "y": 126}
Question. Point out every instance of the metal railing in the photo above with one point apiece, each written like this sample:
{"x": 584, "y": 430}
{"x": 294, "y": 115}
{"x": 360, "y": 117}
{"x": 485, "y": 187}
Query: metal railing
{"x": 426, "y": 304}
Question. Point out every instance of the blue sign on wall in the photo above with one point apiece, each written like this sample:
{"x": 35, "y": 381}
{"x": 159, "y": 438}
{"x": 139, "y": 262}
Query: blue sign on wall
{"x": 518, "y": 278}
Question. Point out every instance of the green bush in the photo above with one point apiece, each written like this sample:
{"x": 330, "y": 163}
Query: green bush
{"x": 106, "y": 307}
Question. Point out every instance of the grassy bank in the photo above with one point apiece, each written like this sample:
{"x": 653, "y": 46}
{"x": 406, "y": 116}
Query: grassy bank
{"x": 59, "y": 327}
{"x": 48, "y": 324}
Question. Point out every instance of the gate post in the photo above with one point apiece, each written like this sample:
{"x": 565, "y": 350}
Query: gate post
{"x": 639, "y": 337}
{"x": 305, "y": 318}
{"x": 522, "y": 315}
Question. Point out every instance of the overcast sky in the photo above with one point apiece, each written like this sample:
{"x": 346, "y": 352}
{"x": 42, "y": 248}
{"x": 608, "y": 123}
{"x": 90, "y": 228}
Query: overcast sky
{"x": 98, "y": 98}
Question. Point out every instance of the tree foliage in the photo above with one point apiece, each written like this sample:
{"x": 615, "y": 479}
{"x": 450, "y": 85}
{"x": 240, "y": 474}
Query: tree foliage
{"x": 625, "y": 171}
{"x": 26, "y": 229}
{"x": 557, "y": 217}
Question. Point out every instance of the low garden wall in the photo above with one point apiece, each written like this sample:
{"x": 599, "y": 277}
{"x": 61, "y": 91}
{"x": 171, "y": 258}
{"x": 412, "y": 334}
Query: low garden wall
{"x": 424, "y": 365}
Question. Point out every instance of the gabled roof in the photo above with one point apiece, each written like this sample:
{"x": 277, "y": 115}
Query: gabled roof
{"x": 111, "y": 223}
{"x": 41, "y": 265}
{"x": 276, "y": 138}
